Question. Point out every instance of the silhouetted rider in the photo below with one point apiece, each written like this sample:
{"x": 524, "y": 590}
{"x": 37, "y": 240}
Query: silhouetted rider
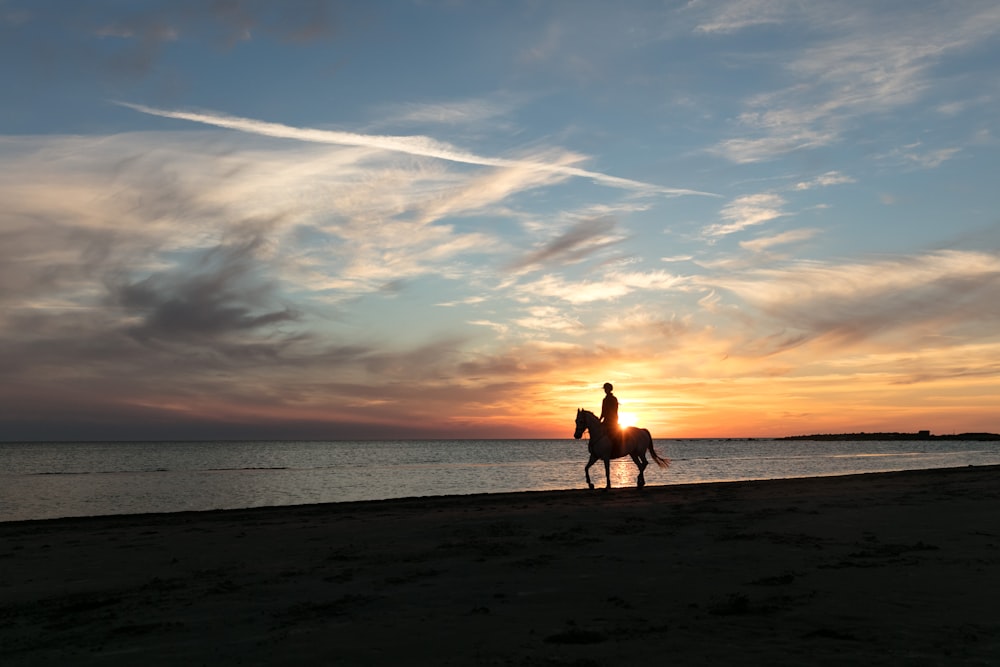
{"x": 609, "y": 413}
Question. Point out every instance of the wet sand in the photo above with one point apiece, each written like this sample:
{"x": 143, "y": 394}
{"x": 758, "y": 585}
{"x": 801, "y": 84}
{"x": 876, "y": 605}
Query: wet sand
{"x": 877, "y": 569}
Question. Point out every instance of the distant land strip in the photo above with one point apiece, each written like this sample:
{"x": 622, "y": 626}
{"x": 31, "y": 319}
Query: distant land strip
{"x": 919, "y": 435}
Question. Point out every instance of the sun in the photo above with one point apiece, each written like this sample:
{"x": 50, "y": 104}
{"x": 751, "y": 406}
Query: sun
{"x": 626, "y": 419}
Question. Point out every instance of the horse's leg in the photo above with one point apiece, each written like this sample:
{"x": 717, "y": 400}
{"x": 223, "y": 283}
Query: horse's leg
{"x": 643, "y": 461}
{"x": 607, "y": 472}
{"x": 586, "y": 469}
{"x": 641, "y": 465}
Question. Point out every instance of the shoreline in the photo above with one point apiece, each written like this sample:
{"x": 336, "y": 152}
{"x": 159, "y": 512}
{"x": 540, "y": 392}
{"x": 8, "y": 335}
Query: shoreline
{"x": 650, "y": 488}
{"x": 874, "y": 568}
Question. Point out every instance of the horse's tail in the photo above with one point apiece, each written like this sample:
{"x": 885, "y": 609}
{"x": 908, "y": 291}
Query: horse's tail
{"x": 661, "y": 461}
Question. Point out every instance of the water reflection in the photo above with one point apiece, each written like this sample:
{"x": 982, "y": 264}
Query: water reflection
{"x": 624, "y": 472}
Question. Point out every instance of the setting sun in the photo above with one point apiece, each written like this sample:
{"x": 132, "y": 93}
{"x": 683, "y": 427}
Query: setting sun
{"x": 626, "y": 419}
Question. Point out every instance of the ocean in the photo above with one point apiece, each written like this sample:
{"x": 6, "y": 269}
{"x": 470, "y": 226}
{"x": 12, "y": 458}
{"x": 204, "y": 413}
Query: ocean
{"x": 68, "y": 479}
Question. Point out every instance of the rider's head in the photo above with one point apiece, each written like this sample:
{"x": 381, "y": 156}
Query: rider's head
{"x": 608, "y": 387}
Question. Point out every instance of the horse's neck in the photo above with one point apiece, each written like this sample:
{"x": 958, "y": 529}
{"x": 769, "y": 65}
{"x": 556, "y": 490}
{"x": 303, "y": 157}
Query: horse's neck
{"x": 595, "y": 426}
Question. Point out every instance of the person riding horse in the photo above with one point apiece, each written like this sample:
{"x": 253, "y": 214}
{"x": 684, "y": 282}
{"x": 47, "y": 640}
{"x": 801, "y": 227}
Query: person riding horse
{"x": 633, "y": 442}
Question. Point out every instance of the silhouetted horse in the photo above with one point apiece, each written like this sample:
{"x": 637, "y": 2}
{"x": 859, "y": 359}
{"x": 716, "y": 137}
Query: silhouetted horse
{"x": 634, "y": 442}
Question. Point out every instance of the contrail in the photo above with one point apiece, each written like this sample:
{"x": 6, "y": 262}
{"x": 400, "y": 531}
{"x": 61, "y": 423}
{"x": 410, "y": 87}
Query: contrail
{"x": 414, "y": 145}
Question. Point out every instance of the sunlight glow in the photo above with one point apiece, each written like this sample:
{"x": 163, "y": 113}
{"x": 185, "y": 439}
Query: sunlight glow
{"x": 626, "y": 419}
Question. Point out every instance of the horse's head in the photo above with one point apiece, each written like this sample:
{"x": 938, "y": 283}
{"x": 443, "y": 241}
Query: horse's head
{"x": 581, "y": 423}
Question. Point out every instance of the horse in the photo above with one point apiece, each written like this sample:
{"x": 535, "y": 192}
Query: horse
{"x": 634, "y": 442}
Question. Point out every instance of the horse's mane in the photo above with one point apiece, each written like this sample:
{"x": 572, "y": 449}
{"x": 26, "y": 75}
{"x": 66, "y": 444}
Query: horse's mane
{"x": 588, "y": 412}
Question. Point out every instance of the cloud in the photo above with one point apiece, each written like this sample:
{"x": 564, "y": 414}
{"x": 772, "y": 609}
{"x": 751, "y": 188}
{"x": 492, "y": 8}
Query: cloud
{"x": 912, "y": 155}
{"x": 949, "y": 292}
{"x": 825, "y": 180}
{"x": 341, "y": 221}
{"x": 548, "y": 318}
{"x": 489, "y": 187}
{"x": 747, "y": 211}
{"x": 457, "y": 112}
{"x": 730, "y": 17}
{"x": 217, "y": 299}
{"x": 935, "y": 158}
{"x": 412, "y": 145}
{"x": 644, "y": 320}
{"x": 743, "y": 150}
{"x": 767, "y": 242}
{"x": 576, "y": 292}
{"x": 500, "y": 328}
{"x": 871, "y": 62}
{"x": 612, "y": 285}
{"x": 581, "y": 240}
{"x": 149, "y": 262}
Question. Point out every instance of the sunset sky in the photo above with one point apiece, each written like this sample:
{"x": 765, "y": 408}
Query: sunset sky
{"x": 339, "y": 220}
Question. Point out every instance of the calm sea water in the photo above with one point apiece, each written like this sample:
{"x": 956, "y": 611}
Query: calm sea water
{"x": 49, "y": 480}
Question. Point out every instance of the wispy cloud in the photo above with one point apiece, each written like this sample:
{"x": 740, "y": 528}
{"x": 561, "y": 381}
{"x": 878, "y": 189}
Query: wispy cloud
{"x": 677, "y": 258}
{"x": 411, "y": 145}
{"x": 914, "y": 155}
{"x": 581, "y": 240}
{"x": 825, "y": 180}
{"x": 747, "y": 211}
{"x": 872, "y": 62}
{"x": 456, "y": 112}
{"x": 612, "y": 285}
{"x": 214, "y": 303}
{"x": 729, "y": 17}
{"x": 745, "y": 150}
{"x": 910, "y": 298}
{"x": 487, "y": 188}
{"x": 549, "y": 318}
{"x": 576, "y": 292}
{"x": 767, "y": 242}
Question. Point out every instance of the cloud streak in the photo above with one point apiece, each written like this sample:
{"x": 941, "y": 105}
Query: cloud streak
{"x": 825, "y": 180}
{"x": 764, "y": 244}
{"x": 411, "y": 145}
{"x": 582, "y": 239}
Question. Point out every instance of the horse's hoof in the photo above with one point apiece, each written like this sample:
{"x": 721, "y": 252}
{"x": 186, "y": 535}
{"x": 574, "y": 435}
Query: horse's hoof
{"x": 591, "y": 485}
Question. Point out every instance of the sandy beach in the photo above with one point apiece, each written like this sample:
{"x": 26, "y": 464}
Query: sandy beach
{"x": 878, "y": 569}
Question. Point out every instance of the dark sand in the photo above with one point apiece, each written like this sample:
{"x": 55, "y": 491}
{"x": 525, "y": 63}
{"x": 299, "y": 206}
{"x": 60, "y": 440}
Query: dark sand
{"x": 882, "y": 569}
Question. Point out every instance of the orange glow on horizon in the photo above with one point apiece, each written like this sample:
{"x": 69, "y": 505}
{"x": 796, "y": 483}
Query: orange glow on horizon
{"x": 736, "y": 400}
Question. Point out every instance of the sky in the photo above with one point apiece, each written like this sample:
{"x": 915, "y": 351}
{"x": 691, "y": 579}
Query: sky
{"x": 443, "y": 219}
